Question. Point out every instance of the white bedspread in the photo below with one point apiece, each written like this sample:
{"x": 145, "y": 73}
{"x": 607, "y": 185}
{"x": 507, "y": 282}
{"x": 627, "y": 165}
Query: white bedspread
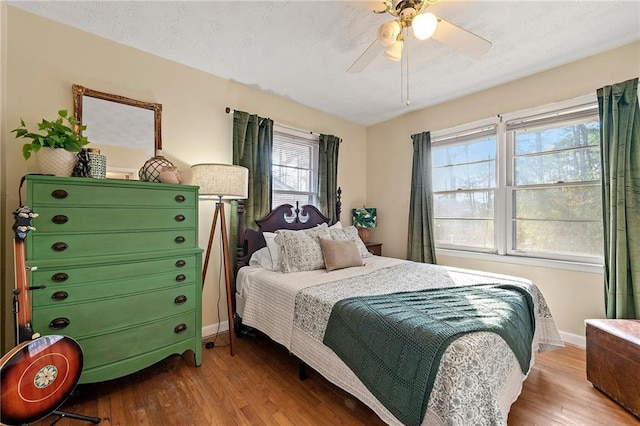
{"x": 479, "y": 376}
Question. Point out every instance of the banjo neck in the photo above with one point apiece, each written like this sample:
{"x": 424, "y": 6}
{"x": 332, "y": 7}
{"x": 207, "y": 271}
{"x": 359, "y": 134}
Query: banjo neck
{"x": 22, "y": 302}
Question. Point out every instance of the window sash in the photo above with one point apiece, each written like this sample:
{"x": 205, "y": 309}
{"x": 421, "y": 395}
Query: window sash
{"x": 284, "y": 137}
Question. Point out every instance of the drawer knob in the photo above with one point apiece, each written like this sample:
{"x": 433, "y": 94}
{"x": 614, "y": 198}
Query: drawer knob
{"x": 59, "y": 295}
{"x": 180, "y": 198}
{"x": 180, "y": 239}
{"x": 180, "y": 263}
{"x": 60, "y": 277}
{"x": 59, "y": 323}
{"x": 180, "y": 218}
{"x": 59, "y": 219}
{"x": 59, "y": 246}
{"x": 181, "y": 277}
{"x": 180, "y": 299}
{"x": 59, "y": 194}
{"x": 179, "y": 328}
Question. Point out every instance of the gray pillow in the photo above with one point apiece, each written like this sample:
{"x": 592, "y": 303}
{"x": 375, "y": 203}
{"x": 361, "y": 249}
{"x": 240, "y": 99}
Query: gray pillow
{"x": 340, "y": 254}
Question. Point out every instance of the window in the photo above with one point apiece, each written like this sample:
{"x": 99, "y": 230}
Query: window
{"x": 554, "y": 185}
{"x": 294, "y": 166}
{"x": 464, "y": 188}
{"x": 523, "y": 187}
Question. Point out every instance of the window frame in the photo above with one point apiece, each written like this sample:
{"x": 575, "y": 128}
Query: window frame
{"x": 462, "y": 135}
{"x": 503, "y": 202}
{"x": 555, "y": 119}
{"x": 309, "y": 140}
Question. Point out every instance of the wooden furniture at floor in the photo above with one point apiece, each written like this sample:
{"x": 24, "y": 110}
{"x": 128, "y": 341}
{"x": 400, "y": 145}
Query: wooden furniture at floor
{"x": 118, "y": 269}
{"x": 374, "y": 248}
{"x": 613, "y": 360}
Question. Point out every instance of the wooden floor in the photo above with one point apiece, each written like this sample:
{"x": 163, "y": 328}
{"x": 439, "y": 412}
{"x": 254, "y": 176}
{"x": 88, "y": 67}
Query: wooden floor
{"x": 260, "y": 385}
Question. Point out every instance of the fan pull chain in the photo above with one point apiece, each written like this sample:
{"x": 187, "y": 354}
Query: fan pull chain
{"x": 402, "y": 73}
{"x": 407, "y": 70}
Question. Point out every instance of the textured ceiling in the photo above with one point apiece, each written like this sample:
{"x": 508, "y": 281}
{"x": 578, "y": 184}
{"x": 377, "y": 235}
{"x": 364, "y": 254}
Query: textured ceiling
{"x": 302, "y": 49}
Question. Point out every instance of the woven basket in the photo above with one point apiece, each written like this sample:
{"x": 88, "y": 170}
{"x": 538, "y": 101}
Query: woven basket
{"x": 56, "y": 161}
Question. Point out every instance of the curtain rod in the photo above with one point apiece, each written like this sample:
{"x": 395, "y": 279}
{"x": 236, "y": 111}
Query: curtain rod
{"x": 228, "y": 110}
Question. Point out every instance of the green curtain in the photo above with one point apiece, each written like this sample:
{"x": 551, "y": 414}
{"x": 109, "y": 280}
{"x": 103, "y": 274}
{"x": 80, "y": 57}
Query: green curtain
{"x": 420, "y": 244}
{"x": 252, "y": 147}
{"x": 620, "y": 155}
{"x": 328, "y": 175}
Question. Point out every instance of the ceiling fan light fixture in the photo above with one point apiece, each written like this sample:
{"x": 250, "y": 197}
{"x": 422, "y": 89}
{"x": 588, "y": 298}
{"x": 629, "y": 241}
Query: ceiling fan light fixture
{"x": 424, "y": 25}
{"x": 388, "y": 33}
{"x": 394, "y": 52}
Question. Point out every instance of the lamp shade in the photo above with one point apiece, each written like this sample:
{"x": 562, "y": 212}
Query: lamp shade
{"x": 365, "y": 217}
{"x": 388, "y": 33}
{"x": 394, "y": 52}
{"x": 221, "y": 180}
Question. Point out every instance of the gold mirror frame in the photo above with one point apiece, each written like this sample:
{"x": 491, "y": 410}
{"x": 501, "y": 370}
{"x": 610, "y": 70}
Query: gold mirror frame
{"x": 80, "y": 91}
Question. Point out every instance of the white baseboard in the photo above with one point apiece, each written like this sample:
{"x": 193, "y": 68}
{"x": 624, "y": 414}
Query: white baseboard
{"x": 574, "y": 339}
{"x": 213, "y": 329}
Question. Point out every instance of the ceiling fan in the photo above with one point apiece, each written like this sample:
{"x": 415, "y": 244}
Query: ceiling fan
{"x": 412, "y": 13}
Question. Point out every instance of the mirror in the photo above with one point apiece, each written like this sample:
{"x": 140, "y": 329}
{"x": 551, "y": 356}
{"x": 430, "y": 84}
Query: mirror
{"x": 127, "y": 131}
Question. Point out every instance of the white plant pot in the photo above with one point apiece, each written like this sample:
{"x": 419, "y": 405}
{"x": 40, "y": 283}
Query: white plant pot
{"x": 56, "y": 161}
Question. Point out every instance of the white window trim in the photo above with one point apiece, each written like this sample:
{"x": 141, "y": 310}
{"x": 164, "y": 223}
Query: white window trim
{"x": 503, "y": 193}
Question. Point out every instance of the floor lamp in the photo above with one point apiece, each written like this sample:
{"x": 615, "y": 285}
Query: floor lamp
{"x": 229, "y": 182}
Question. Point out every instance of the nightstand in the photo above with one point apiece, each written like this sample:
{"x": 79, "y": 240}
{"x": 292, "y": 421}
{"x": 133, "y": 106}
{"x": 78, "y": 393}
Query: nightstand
{"x": 375, "y": 248}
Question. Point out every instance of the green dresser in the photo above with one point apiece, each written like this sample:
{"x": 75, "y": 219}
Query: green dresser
{"x": 121, "y": 268}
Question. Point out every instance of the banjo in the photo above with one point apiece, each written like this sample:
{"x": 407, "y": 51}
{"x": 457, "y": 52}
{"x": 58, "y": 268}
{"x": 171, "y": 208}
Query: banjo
{"x": 40, "y": 373}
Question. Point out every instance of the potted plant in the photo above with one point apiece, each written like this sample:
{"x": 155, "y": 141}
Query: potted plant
{"x": 55, "y": 149}
{"x": 364, "y": 219}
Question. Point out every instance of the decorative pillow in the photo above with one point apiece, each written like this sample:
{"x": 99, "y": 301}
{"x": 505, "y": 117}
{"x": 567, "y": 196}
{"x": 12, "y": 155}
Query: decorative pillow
{"x": 301, "y": 250}
{"x": 261, "y": 258}
{"x": 340, "y": 254}
{"x": 336, "y": 225}
{"x": 350, "y": 233}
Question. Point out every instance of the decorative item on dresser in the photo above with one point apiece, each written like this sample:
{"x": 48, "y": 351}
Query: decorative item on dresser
{"x": 128, "y": 131}
{"x": 364, "y": 219}
{"x": 55, "y": 150}
{"x": 118, "y": 270}
{"x": 221, "y": 181}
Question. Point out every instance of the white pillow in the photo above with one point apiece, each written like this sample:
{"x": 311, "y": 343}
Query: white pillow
{"x": 336, "y": 225}
{"x": 274, "y": 250}
{"x": 261, "y": 258}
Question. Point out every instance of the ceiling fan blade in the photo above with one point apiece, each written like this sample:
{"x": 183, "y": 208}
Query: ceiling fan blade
{"x": 366, "y": 58}
{"x": 460, "y": 39}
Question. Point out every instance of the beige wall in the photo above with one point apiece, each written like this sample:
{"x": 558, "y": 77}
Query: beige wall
{"x": 573, "y": 296}
{"x": 45, "y": 58}
{"x": 36, "y": 81}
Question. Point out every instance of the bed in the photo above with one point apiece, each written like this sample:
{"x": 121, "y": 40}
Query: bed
{"x": 346, "y": 323}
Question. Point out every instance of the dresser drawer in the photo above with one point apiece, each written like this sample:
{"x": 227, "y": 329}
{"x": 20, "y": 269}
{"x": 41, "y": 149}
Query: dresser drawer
{"x": 66, "y": 246}
{"x": 63, "y": 294}
{"x": 68, "y": 273}
{"x": 64, "y": 219}
{"x": 81, "y": 192}
{"x": 112, "y": 347}
{"x": 103, "y": 315}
